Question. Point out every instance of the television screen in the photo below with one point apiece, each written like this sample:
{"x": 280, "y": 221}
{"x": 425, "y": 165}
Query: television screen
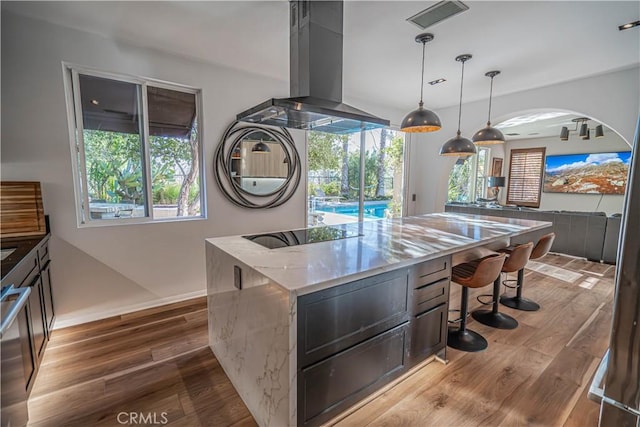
{"x": 595, "y": 173}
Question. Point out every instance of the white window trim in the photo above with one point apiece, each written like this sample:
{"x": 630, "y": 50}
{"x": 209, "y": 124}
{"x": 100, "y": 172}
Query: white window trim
{"x": 473, "y": 174}
{"x": 71, "y": 74}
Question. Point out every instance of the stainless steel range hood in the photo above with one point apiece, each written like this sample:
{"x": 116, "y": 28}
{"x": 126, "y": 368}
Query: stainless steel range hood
{"x": 315, "y": 76}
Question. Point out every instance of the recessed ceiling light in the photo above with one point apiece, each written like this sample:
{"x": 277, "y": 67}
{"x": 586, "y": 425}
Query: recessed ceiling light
{"x": 95, "y": 102}
{"x": 435, "y": 82}
{"x": 629, "y": 25}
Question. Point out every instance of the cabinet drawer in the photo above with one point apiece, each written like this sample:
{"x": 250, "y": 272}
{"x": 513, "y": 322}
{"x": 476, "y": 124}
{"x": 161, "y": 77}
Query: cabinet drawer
{"x": 329, "y": 387}
{"x": 429, "y": 296}
{"x": 431, "y": 271}
{"x": 332, "y": 320}
{"x": 428, "y": 333}
{"x": 23, "y": 272}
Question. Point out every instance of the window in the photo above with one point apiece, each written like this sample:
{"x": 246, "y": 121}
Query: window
{"x": 333, "y": 168}
{"x": 468, "y": 178}
{"x": 525, "y": 177}
{"x": 137, "y": 151}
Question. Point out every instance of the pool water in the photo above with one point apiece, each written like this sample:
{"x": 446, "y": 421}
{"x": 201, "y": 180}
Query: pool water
{"x": 372, "y": 210}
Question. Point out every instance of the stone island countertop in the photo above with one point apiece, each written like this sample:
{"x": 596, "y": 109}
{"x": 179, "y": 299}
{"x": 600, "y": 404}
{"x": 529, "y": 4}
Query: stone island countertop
{"x": 379, "y": 246}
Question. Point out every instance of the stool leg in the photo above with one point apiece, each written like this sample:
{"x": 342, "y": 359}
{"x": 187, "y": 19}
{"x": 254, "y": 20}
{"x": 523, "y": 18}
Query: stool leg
{"x": 518, "y": 302}
{"x": 462, "y": 338}
{"x": 492, "y": 317}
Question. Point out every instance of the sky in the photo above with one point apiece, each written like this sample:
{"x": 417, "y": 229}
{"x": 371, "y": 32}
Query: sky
{"x": 570, "y": 161}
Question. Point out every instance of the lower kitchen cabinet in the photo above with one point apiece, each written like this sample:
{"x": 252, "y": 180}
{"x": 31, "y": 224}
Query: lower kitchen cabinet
{"x": 39, "y": 329}
{"x": 47, "y": 295}
{"x": 357, "y": 337}
{"x": 36, "y": 320}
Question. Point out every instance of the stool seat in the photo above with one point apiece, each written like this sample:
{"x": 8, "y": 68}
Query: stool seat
{"x": 518, "y": 302}
{"x": 473, "y": 274}
{"x": 517, "y": 259}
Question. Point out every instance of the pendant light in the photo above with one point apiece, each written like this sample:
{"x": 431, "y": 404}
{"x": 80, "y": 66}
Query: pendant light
{"x": 421, "y": 120}
{"x": 260, "y": 147}
{"x": 458, "y": 145}
{"x": 599, "y": 131}
{"x": 489, "y": 135}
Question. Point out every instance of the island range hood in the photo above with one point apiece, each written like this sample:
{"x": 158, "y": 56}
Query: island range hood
{"x": 315, "y": 76}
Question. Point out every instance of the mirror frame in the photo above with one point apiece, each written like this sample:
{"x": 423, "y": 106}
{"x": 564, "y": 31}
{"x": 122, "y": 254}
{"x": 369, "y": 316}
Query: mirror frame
{"x": 233, "y": 137}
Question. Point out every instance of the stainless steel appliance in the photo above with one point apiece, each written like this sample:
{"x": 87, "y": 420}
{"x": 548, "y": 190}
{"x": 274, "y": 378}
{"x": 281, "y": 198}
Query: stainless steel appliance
{"x": 617, "y": 381}
{"x": 315, "y": 68}
{"x": 15, "y": 353}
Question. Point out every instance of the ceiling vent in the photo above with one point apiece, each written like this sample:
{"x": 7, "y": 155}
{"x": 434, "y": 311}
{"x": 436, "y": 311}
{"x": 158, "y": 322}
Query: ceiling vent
{"x": 436, "y": 13}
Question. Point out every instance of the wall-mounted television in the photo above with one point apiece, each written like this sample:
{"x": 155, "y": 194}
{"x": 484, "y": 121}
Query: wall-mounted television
{"x": 588, "y": 173}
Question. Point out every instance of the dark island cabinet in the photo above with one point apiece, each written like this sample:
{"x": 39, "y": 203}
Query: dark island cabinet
{"x": 355, "y": 338}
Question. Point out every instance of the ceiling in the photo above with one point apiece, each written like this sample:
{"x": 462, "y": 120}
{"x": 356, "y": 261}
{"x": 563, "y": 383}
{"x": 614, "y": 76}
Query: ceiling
{"x": 534, "y": 44}
{"x": 545, "y": 124}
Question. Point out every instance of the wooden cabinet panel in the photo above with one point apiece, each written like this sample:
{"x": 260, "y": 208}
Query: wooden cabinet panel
{"x": 428, "y": 333}
{"x": 334, "y": 319}
{"x": 47, "y": 294}
{"x": 431, "y": 295}
{"x": 334, "y": 384}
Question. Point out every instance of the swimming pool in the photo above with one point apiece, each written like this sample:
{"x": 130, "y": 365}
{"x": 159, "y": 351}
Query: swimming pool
{"x": 373, "y": 209}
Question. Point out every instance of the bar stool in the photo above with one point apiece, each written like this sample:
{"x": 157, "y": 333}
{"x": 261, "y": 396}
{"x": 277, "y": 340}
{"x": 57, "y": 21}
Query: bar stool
{"x": 474, "y": 274}
{"x": 519, "y": 302}
{"x": 517, "y": 260}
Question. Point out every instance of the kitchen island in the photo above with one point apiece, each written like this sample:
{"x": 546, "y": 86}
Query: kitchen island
{"x": 305, "y": 330}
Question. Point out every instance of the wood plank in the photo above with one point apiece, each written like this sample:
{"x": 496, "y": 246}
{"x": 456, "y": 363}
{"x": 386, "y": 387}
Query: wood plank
{"x": 21, "y": 211}
{"x": 584, "y": 414}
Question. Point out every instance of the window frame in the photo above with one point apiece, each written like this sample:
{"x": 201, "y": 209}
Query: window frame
{"x": 404, "y": 207}
{"x": 536, "y": 204}
{"x": 71, "y": 74}
{"x": 474, "y": 192}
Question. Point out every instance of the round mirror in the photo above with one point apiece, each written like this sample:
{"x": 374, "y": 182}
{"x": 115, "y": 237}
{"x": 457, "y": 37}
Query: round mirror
{"x": 259, "y": 164}
{"x": 257, "y": 167}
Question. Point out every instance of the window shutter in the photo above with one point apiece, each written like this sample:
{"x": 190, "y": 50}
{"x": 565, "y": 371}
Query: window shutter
{"x": 525, "y": 177}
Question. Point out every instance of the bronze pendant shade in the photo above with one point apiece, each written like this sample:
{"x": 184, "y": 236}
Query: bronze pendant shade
{"x": 489, "y": 135}
{"x": 459, "y": 145}
{"x": 421, "y": 119}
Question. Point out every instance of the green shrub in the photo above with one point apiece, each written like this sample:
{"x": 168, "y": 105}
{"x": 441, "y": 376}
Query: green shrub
{"x": 167, "y": 194}
{"x": 331, "y": 188}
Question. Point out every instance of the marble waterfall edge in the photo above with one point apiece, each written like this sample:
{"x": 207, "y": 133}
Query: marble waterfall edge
{"x": 252, "y": 334}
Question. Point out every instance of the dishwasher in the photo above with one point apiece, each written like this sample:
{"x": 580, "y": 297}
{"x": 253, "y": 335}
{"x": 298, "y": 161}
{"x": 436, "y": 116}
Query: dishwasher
{"x": 15, "y": 355}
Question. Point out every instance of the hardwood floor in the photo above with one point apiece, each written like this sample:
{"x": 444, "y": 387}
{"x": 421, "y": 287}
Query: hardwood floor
{"x": 157, "y": 361}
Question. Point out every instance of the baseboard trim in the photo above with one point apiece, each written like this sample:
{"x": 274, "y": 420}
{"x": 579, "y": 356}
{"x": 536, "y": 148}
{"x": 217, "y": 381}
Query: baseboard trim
{"x": 66, "y": 321}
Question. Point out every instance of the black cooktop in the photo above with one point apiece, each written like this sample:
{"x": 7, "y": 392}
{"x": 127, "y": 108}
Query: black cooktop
{"x": 304, "y": 236}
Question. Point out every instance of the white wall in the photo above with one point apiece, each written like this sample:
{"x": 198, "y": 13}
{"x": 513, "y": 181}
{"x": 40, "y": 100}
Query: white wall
{"x": 107, "y": 270}
{"x": 609, "y": 203}
{"x": 611, "y": 99}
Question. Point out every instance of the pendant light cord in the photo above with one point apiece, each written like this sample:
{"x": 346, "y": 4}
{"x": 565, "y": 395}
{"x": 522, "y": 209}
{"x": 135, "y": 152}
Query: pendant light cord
{"x": 460, "y": 107}
{"x": 490, "y": 96}
{"x": 424, "y": 43}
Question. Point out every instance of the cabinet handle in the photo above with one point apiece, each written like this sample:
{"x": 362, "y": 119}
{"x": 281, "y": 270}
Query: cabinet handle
{"x": 35, "y": 280}
{"x": 12, "y": 313}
